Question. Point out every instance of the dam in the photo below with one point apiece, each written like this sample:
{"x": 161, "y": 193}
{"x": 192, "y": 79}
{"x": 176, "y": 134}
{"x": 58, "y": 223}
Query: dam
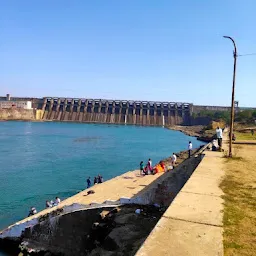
{"x": 82, "y": 110}
{"x": 115, "y": 111}
{"x": 148, "y": 113}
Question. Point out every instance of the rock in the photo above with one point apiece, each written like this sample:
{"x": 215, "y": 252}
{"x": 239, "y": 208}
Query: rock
{"x": 100, "y": 252}
{"x": 126, "y": 218}
{"x": 118, "y": 237}
{"x": 104, "y": 213}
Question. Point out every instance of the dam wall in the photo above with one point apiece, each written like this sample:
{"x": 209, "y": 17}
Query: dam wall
{"x": 197, "y": 108}
{"x": 114, "y": 111}
{"x": 148, "y": 113}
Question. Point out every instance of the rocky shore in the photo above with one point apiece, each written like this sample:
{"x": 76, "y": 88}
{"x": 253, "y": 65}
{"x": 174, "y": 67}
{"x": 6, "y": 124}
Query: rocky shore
{"x": 198, "y": 131}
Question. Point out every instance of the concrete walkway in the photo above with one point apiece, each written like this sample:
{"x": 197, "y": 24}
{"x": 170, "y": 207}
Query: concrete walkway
{"x": 192, "y": 225}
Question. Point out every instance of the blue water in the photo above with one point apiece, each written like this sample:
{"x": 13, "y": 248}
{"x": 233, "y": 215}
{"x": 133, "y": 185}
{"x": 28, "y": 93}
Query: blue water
{"x": 39, "y": 161}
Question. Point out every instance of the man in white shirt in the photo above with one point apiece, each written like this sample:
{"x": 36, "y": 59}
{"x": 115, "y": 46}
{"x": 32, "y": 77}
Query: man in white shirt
{"x": 190, "y": 146}
{"x": 57, "y": 201}
{"x": 219, "y": 136}
{"x": 174, "y": 159}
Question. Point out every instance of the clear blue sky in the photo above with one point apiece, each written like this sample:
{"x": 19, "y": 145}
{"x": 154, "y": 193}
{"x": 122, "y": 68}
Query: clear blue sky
{"x": 168, "y": 50}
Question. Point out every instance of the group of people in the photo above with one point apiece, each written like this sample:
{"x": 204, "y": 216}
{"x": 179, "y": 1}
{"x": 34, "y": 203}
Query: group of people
{"x": 146, "y": 169}
{"x": 48, "y": 204}
{"x": 97, "y": 179}
{"x": 160, "y": 167}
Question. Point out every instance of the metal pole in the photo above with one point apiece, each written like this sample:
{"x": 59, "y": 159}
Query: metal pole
{"x": 232, "y": 114}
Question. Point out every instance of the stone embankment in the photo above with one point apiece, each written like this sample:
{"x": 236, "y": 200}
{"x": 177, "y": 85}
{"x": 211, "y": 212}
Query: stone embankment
{"x": 44, "y": 232}
{"x": 17, "y": 114}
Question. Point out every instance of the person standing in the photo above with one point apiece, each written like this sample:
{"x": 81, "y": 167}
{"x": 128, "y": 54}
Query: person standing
{"x": 219, "y": 136}
{"x": 141, "y": 167}
{"x": 88, "y": 182}
{"x": 190, "y": 146}
{"x": 174, "y": 159}
{"x": 95, "y": 180}
{"x": 149, "y": 165}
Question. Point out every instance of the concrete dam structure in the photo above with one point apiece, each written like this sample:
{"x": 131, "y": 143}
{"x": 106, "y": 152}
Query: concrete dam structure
{"x": 114, "y": 111}
{"x": 147, "y": 113}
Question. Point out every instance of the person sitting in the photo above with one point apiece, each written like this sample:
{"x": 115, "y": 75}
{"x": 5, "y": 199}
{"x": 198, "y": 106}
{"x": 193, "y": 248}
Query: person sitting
{"x": 32, "y": 211}
{"x": 162, "y": 165}
{"x": 214, "y": 145}
{"x": 233, "y": 137}
{"x": 57, "y": 201}
{"x": 100, "y": 179}
{"x": 48, "y": 204}
{"x": 169, "y": 167}
{"x": 95, "y": 180}
{"x": 146, "y": 170}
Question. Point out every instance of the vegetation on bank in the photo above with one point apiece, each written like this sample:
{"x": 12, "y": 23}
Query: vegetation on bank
{"x": 244, "y": 116}
{"x": 239, "y": 186}
{"x": 245, "y": 136}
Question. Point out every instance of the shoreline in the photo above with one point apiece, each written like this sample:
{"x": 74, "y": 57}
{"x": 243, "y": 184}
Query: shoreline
{"x": 193, "y": 130}
{"x": 197, "y": 131}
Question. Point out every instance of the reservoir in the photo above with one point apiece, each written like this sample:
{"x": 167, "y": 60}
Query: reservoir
{"x": 42, "y": 160}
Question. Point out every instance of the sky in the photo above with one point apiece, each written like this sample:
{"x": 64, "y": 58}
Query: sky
{"x": 168, "y": 50}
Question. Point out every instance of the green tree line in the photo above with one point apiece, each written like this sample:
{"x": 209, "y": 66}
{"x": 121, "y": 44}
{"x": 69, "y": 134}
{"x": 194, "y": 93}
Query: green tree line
{"x": 243, "y": 116}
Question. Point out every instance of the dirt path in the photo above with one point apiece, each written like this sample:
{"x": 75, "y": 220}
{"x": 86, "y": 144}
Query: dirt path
{"x": 239, "y": 186}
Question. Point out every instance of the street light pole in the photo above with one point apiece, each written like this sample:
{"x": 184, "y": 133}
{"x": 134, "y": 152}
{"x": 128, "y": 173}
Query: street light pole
{"x": 232, "y": 115}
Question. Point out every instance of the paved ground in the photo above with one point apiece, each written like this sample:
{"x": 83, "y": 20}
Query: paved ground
{"x": 192, "y": 225}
